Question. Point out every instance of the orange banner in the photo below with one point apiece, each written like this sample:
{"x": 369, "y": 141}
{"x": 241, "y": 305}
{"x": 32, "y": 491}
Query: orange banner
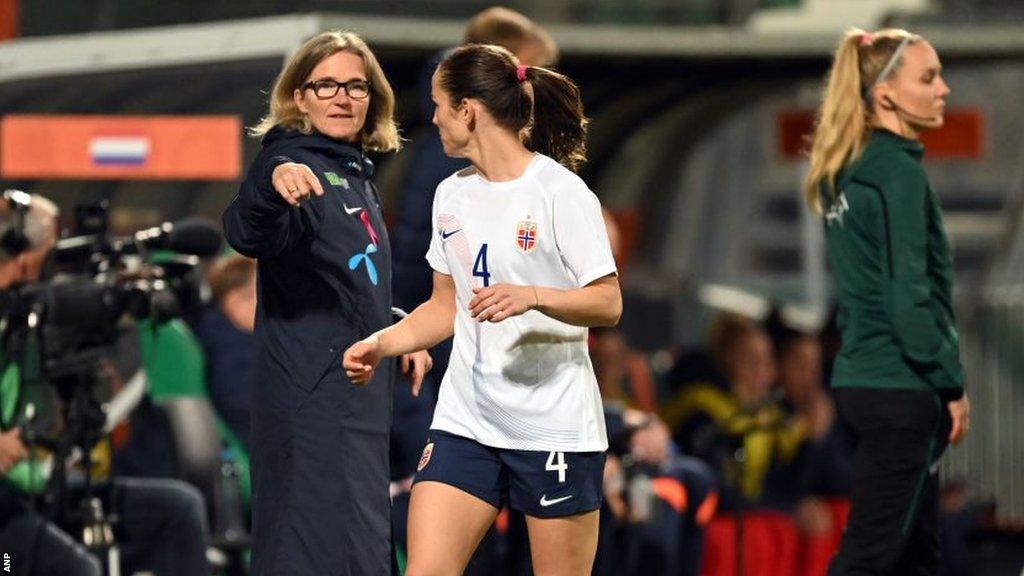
{"x": 45, "y": 147}
{"x": 9, "y": 19}
{"x": 961, "y": 138}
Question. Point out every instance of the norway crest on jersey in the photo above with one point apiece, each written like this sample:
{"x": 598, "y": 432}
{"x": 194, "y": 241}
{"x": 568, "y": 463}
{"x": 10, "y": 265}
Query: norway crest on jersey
{"x": 526, "y": 235}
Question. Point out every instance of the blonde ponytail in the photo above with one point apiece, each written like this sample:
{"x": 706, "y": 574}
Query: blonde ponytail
{"x": 841, "y": 126}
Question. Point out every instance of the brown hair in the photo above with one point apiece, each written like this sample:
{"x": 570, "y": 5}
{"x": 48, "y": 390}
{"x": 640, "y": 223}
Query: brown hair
{"x": 843, "y": 120}
{"x": 230, "y": 273}
{"x": 551, "y": 118}
{"x": 379, "y": 134}
{"x": 726, "y": 330}
{"x": 510, "y": 29}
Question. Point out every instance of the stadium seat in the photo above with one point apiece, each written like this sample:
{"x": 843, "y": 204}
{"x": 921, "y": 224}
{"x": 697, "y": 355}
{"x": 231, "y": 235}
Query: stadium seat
{"x": 770, "y": 545}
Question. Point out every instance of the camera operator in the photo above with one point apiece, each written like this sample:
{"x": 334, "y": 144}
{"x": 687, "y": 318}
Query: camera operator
{"x": 161, "y": 524}
{"x": 659, "y": 501}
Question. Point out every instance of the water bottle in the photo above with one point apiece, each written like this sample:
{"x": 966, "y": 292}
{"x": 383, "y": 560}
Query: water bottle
{"x": 230, "y": 524}
{"x": 641, "y": 498}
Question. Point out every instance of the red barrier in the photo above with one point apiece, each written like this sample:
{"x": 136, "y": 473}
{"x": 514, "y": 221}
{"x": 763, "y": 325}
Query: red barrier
{"x": 770, "y": 546}
{"x": 816, "y": 551}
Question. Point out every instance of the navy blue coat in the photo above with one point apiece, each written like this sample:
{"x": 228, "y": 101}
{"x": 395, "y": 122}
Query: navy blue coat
{"x": 319, "y": 443}
{"x": 230, "y": 354}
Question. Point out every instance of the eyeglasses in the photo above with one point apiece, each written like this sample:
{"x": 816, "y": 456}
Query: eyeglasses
{"x": 324, "y": 89}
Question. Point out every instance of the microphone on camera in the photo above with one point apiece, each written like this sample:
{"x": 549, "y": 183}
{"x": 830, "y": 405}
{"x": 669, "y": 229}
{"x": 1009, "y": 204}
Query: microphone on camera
{"x": 195, "y": 236}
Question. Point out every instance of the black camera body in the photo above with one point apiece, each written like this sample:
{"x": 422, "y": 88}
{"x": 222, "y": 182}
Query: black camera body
{"x": 93, "y": 281}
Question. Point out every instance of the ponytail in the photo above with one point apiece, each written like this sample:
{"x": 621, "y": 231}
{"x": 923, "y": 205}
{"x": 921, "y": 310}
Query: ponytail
{"x": 841, "y": 125}
{"x": 558, "y": 128}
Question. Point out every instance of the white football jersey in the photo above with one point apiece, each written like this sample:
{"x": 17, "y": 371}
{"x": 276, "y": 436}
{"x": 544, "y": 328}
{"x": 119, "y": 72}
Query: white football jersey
{"x": 525, "y": 383}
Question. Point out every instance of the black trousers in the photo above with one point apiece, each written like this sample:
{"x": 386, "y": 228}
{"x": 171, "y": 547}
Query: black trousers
{"x": 893, "y": 525}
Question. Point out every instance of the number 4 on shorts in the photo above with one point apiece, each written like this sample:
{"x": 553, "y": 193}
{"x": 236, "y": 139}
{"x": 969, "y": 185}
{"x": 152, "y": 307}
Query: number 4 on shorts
{"x": 556, "y": 463}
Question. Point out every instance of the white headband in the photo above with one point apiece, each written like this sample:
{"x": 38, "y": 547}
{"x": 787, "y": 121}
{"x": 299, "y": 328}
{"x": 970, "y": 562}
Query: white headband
{"x": 889, "y": 66}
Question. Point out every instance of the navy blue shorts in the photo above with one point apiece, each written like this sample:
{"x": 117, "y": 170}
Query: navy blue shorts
{"x": 537, "y": 483}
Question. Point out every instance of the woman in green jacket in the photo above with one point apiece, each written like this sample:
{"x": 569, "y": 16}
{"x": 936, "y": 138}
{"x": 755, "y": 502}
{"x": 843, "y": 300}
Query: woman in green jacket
{"x": 898, "y": 378}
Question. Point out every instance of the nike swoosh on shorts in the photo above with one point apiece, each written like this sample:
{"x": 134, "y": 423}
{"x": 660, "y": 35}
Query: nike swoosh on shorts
{"x": 545, "y": 502}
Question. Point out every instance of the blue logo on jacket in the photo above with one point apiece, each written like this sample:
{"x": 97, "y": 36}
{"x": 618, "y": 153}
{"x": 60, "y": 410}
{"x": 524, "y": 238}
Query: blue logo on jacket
{"x": 371, "y": 270}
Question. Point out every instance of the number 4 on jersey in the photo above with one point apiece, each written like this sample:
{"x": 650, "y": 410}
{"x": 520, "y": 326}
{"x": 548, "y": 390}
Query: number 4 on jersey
{"x": 560, "y": 466}
{"x": 480, "y": 266}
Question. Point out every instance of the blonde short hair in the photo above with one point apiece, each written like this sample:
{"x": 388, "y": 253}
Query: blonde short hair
{"x": 511, "y": 30}
{"x": 230, "y": 273}
{"x": 379, "y": 133}
{"x": 40, "y": 227}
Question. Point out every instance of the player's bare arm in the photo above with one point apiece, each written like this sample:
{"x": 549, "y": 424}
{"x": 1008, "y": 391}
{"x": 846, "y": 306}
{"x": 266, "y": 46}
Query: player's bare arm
{"x": 425, "y": 327}
{"x": 596, "y": 304}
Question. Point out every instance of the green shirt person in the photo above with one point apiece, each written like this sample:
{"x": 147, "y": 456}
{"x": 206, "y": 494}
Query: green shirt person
{"x": 38, "y": 234}
{"x": 898, "y": 380}
{"x": 888, "y": 251}
{"x": 15, "y": 467}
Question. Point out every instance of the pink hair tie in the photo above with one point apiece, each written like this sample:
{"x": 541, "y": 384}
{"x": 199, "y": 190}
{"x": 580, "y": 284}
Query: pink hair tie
{"x": 867, "y": 39}
{"x": 521, "y": 73}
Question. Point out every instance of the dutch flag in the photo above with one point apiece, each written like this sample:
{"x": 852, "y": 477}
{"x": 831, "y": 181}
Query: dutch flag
{"x": 119, "y": 150}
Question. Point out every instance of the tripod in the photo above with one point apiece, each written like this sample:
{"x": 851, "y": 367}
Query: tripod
{"x": 75, "y": 378}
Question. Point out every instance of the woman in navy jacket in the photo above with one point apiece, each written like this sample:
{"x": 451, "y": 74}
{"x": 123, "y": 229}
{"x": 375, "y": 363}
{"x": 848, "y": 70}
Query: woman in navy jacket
{"x": 308, "y": 212}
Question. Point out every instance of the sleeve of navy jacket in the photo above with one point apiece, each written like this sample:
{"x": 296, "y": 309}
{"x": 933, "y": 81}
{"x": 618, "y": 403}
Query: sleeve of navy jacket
{"x": 259, "y": 222}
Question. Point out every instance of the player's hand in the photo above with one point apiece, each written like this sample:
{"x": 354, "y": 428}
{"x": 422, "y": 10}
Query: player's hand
{"x": 416, "y": 366}
{"x": 295, "y": 182}
{"x": 12, "y": 450}
{"x": 960, "y": 413}
{"x": 361, "y": 359}
{"x": 501, "y": 301}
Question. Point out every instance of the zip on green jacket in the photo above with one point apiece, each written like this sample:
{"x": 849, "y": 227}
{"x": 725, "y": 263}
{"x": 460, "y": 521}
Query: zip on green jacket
{"x": 888, "y": 251}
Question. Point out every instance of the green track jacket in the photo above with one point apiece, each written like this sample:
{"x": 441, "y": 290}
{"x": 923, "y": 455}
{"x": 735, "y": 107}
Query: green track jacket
{"x": 888, "y": 250}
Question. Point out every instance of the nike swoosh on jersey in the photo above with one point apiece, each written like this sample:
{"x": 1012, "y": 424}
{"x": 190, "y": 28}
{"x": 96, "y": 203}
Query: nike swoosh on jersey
{"x": 351, "y": 210}
{"x": 447, "y": 235}
{"x": 545, "y": 502}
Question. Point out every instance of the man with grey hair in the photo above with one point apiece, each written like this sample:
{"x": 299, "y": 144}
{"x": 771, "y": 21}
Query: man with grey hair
{"x": 162, "y": 526}
{"x": 28, "y": 230}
